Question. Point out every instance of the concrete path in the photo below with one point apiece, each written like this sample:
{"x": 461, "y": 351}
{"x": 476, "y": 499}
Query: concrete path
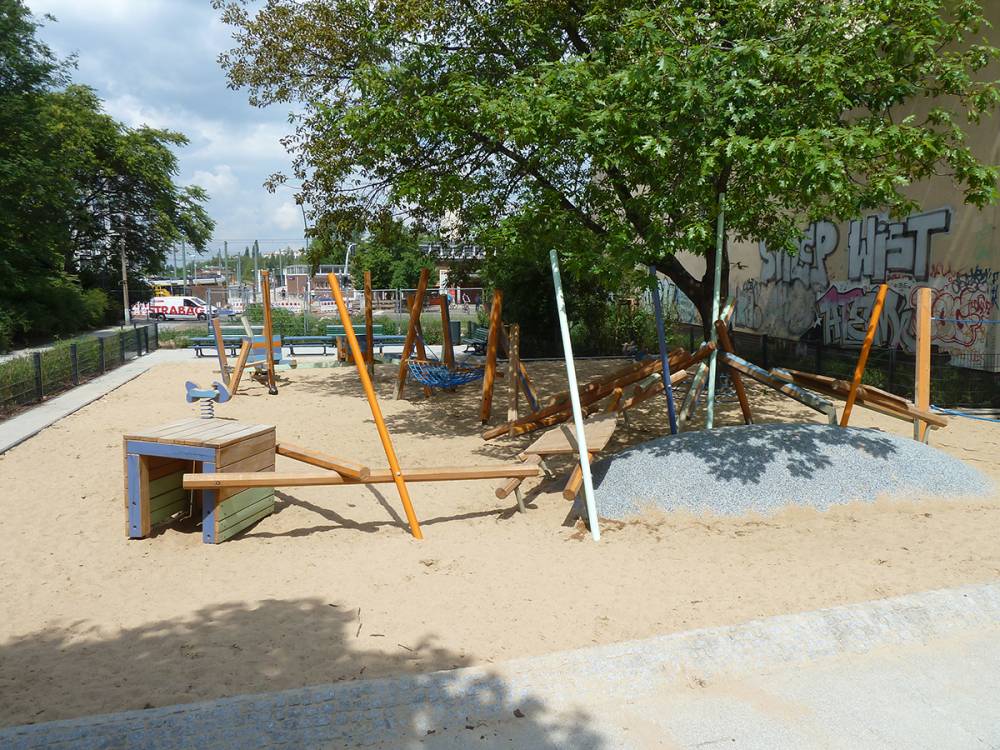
{"x": 28, "y": 423}
{"x": 919, "y": 672}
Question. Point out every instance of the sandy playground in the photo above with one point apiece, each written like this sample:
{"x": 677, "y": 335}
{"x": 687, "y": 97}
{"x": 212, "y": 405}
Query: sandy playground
{"x": 332, "y": 587}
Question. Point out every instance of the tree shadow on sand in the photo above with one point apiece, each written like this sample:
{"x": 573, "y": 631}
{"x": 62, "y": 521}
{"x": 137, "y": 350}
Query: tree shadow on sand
{"x": 239, "y": 650}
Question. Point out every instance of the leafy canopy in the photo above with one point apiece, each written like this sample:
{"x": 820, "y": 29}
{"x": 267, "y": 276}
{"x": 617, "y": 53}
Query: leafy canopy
{"x": 615, "y": 125}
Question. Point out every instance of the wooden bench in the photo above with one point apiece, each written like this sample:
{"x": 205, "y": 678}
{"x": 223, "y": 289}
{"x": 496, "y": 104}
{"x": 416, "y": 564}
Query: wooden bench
{"x": 232, "y": 339}
{"x": 476, "y": 343}
{"x": 310, "y": 341}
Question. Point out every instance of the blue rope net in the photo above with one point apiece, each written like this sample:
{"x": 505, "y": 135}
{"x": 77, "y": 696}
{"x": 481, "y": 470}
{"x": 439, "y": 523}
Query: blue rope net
{"x": 436, "y": 375}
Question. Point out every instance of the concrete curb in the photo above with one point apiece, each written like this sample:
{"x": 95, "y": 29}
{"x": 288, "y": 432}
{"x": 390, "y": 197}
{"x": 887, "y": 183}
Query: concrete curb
{"x": 393, "y": 710}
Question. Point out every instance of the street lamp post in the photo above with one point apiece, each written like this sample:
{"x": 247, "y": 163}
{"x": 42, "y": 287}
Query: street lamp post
{"x": 121, "y": 248}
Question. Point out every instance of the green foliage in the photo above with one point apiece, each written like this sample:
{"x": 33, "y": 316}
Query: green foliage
{"x": 391, "y": 253}
{"x": 76, "y": 187}
{"x": 612, "y": 129}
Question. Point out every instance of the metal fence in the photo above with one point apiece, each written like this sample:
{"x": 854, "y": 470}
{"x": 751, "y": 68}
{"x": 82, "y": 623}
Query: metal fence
{"x": 953, "y": 385}
{"x": 31, "y": 378}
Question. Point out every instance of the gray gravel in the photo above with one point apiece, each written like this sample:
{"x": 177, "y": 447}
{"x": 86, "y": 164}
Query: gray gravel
{"x": 762, "y": 468}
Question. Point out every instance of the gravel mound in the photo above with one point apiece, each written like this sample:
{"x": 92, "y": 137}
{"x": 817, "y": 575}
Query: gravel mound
{"x": 762, "y": 468}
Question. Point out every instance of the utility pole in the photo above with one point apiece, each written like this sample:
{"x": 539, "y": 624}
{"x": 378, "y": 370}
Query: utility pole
{"x": 184, "y": 260}
{"x": 256, "y": 270}
{"x": 128, "y": 312}
{"x": 225, "y": 249}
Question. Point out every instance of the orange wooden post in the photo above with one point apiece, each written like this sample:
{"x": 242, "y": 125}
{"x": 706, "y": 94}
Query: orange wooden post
{"x": 922, "y": 395}
{"x": 369, "y": 328}
{"x": 265, "y": 283}
{"x": 866, "y": 347}
{"x": 722, "y": 332}
{"x": 411, "y": 331}
{"x": 489, "y": 374}
{"x": 220, "y": 347}
{"x": 241, "y": 363}
{"x": 513, "y": 360}
{"x": 383, "y": 433}
{"x": 448, "y": 349}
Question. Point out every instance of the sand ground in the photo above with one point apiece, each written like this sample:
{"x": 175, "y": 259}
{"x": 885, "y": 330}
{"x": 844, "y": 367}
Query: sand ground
{"x": 333, "y": 588}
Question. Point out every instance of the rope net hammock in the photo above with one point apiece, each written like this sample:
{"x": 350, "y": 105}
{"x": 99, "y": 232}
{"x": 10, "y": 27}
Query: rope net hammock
{"x": 437, "y": 375}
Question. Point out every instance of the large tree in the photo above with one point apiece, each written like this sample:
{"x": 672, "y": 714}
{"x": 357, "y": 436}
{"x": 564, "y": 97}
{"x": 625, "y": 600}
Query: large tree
{"x": 74, "y": 186}
{"x": 615, "y": 126}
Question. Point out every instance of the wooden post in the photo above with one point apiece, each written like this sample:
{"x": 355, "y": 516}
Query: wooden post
{"x": 241, "y": 363}
{"x": 490, "y": 372}
{"x": 383, "y": 433}
{"x": 220, "y": 347}
{"x": 922, "y": 395}
{"x": 513, "y": 361}
{"x": 866, "y": 347}
{"x": 447, "y": 348}
{"x": 722, "y": 331}
{"x": 369, "y": 328}
{"x": 265, "y": 279}
{"x": 527, "y": 387}
{"x": 411, "y": 330}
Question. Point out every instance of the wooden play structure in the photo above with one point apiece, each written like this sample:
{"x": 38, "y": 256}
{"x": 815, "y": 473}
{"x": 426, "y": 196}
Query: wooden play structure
{"x": 231, "y": 467}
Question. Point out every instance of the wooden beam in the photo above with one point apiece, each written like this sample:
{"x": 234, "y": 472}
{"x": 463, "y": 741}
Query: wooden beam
{"x": 366, "y": 383}
{"x": 241, "y": 363}
{"x": 514, "y": 482}
{"x": 722, "y": 332}
{"x": 513, "y": 360}
{"x": 220, "y": 347}
{"x": 330, "y": 478}
{"x": 369, "y": 327}
{"x": 792, "y": 391}
{"x": 866, "y": 347}
{"x": 527, "y": 386}
{"x": 489, "y": 374}
{"x": 342, "y": 466}
{"x": 922, "y": 390}
{"x": 265, "y": 281}
{"x": 411, "y": 330}
{"x": 447, "y": 348}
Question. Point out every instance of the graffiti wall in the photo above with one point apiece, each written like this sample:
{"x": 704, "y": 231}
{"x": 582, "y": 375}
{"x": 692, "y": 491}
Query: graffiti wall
{"x": 826, "y": 290}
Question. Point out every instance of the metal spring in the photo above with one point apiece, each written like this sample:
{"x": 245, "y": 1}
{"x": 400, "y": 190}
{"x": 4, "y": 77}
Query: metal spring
{"x": 207, "y": 408}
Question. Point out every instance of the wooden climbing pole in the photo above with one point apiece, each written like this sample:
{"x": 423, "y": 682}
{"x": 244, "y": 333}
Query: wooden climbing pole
{"x": 866, "y": 347}
{"x": 490, "y": 373}
{"x": 265, "y": 281}
{"x": 369, "y": 328}
{"x": 416, "y": 308}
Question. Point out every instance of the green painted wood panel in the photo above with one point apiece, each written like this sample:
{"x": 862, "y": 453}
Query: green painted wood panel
{"x": 241, "y": 500}
{"x": 242, "y": 524}
{"x": 249, "y": 510}
{"x": 166, "y": 484}
{"x": 167, "y": 511}
{"x": 167, "y": 498}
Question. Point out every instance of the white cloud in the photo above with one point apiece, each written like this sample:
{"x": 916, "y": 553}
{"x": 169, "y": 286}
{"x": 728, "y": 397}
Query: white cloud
{"x": 287, "y": 216}
{"x": 217, "y": 181}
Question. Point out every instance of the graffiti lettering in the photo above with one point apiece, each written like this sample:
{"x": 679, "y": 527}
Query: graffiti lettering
{"x": 809, "y": 264}
{"x": 844, "y": 314}
{"x": 877, "y": 247}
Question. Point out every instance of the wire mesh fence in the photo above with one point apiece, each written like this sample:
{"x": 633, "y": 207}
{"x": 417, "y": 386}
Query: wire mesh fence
{"x": 31, "y": 378}
{"x": 954, "y": 384}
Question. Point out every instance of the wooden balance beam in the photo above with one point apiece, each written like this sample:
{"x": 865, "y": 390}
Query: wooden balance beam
{"x": 322, "y": 479}
{"x": 867, "y": 396}
{"x": 781, "y": 386}
{"x": 342, "y": 466}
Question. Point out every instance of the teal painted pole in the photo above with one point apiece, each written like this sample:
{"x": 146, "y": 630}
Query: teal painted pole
{"x": 713, "y": 362}
{"x": 574, "y": 395}
{"x": 661, "y": 336}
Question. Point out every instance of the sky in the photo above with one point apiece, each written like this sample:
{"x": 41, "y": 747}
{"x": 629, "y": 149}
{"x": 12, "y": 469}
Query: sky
{"x": 153, "y": 62}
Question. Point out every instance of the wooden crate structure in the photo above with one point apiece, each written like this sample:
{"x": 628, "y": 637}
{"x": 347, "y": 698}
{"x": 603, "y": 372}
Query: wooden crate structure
{"x": 157, "y": 459}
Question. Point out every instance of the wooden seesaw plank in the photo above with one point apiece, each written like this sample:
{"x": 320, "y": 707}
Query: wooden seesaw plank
{"x": 322, "y": 460}
{"x": 289, "y": 479}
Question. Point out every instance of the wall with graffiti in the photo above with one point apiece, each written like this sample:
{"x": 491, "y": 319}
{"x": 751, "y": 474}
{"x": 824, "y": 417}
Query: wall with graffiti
{"x": 825, "y": 291}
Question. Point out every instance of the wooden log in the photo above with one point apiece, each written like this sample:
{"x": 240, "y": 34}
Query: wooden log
{"x": 922, "y": 382}
{"x": 220, "y": 347}
{"x": 447, "y": 348}
{"x": 376, "y": 410}
{"x": 722, "y": 332}
{"x": 789, "y": 389}
{"x": 639, "y": 396}
{"x": 489, "y": 374}
{"x": 866, "y": 347}
{"x": 513, "y": 360}
{"x": 298, "y": 479}
{"x": 265, "y": 281}
{"x": 241, "y": 363}
{"x": 842, "y": 387}
{"x": 513, "y": 483}
{"x": 342, "y": 466}
{"x": 575, "y": 481}
{"x": 369, "y": 327}
{"x": 411, "y": 330}
{"x": 526, "y": 383}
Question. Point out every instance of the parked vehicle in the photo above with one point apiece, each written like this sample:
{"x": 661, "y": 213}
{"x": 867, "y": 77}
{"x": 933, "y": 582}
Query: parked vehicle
{"x": 181, "y": 308}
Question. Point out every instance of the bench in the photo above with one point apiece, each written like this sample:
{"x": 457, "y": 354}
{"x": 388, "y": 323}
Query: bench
{"x": 476, "y": 343}
{"x": 232, "y": 340}
{"x": 311, "y": 341}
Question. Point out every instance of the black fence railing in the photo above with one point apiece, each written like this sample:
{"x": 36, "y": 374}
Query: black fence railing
{"x": 956, "y": 382}
{"x": 32, "y": 378}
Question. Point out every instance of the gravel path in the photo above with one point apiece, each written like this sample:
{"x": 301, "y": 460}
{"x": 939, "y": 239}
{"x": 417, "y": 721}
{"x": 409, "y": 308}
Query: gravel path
{"x": 761, "y": 468}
